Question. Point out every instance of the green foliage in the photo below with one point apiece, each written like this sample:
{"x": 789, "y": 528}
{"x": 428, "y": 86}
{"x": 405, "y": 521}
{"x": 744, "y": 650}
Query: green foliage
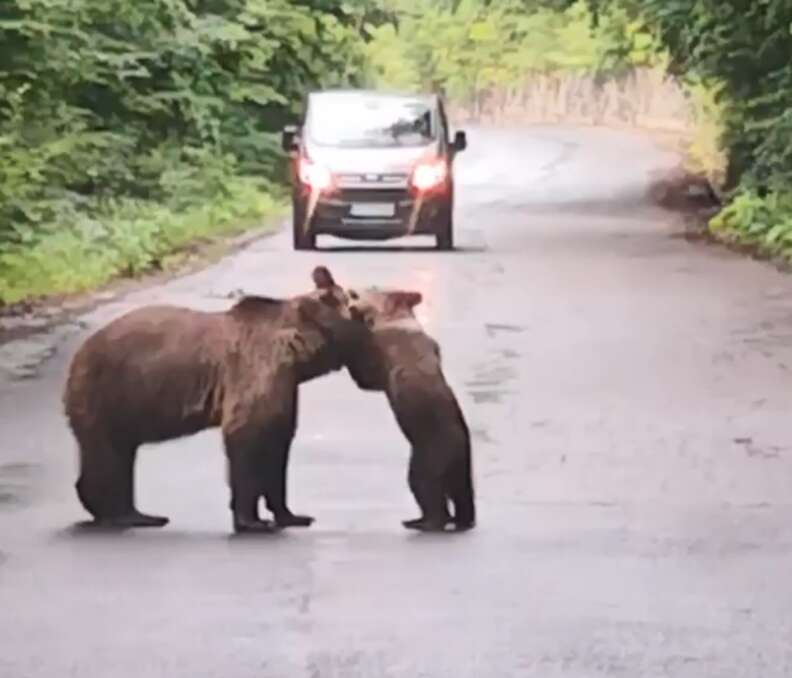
{"x": 108, "y": 106}
{"x": 705, "y": 151}
{"x": 466, "y": 48}
{"x": 741, "y": 53}
{"x": 623, "y": 41}
{"x": 744, "y": 49}
{"x": 389, "y": 62}
{"x": 128, "y": 238}
{"x": 762, "y": 222}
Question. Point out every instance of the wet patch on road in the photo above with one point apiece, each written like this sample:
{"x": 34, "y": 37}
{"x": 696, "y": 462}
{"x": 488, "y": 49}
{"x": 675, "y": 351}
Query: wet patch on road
{"x": 15, "y": 482}
{"x": 335, "y": 664}
{"x": 760, "y": 452}
{"x": 489, "y": 383}
{"x": 482, "y": 435}
{"x": 22, "y": 359}
{"x": 26, "y": 321}
{"x": 233, "y": 295}
{"x": 494, "y": 329}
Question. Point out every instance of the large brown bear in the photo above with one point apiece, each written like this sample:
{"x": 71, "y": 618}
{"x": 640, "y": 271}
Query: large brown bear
{"x": 162, "y": 372}
{"x": 404, "y": 362}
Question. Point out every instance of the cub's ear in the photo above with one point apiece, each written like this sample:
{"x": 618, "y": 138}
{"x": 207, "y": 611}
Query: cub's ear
{"x": 323, "y": 279}
{"x": 395, "y": 301}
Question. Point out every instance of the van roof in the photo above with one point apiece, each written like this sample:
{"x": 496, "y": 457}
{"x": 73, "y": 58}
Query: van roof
{"x": 428, "y": 99}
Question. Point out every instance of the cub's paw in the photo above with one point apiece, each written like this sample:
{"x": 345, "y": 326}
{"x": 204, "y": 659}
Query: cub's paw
{"x": 254, "y": 527}
{"x": 292, "y": 520}
{"x": 464, "y": 526}
{"x": 427, "y": 524}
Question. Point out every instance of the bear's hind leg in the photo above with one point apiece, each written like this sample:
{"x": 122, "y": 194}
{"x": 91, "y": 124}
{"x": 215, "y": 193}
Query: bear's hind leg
{"x": 462, "y": 497}
{"x": 429, "y": 494}
{"x": 106, "y": 486}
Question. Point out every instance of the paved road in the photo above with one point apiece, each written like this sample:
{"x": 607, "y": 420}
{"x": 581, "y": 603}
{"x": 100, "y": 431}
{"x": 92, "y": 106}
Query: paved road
{"x": 630, "y": 398}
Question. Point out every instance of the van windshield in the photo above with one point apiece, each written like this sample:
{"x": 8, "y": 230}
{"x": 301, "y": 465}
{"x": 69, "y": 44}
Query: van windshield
{"x": 370, "y": 122}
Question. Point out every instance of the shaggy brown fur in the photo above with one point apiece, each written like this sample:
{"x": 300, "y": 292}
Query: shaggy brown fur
{"x": 404, "y": 362}
{"x": 163, "y": 372}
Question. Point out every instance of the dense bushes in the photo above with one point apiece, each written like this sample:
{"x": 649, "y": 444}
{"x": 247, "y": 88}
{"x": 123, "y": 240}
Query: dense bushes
{"x": 736, "y": 57}
{"x": 468, "y": 47}
{"x": 126, "y": 238}
{"x": 741, "y": 50}
{"x": 745, "y": 50}
{"x": 116, "y": 116}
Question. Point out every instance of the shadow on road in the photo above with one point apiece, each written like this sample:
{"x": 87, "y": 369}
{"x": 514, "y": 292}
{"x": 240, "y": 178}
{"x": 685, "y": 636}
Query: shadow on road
{"x": 390, "y": 249}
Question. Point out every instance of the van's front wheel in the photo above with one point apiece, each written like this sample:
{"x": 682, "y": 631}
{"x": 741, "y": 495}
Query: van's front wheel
{"x": 444, "y": 231}
{"x": 302, "y": 238}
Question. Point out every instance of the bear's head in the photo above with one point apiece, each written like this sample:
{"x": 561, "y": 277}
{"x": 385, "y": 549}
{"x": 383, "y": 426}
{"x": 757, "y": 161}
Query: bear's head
{"x": 379, "y": 311}
{"x": 326, "y": 332}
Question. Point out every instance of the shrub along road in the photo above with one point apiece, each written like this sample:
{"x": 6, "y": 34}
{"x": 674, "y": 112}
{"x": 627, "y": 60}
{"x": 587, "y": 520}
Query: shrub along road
{"x": 629, "y": 394}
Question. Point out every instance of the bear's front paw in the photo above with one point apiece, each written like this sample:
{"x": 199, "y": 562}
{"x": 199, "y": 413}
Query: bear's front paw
{"x": 292, "y": 520}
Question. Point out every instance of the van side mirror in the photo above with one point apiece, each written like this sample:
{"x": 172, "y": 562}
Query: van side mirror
{"x": 460, "y": 141}
{"x": 289, "y": 138}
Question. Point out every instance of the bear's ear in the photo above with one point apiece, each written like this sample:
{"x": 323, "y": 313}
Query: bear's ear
{"x": 307, "y": 308}
{"x": 310, "y": 310}
{"x": 402, "y": 300}
{"x": 331, "y": 298}
{"x": 323, "y": 279}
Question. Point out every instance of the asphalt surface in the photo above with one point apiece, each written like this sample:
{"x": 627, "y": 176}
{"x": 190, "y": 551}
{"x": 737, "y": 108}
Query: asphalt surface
{"x": 629, "y": 393}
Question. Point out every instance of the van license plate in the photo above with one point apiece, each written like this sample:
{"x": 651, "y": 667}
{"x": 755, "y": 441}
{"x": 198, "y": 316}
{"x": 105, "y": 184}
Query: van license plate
{"x": 372, "y": 209}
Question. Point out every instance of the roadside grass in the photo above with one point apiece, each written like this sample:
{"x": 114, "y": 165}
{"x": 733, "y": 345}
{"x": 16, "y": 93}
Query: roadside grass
{"x": 749, "y": 222}
{"x": 705, "y": 154}
{"x": 761, "y": 224}
{"x": 128, "y": 238}
{"x": 752, "y": 223}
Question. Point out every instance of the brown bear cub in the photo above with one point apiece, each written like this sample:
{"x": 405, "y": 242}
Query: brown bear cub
{"x": 404, "y": 362}
{"x": 163, "y": 372}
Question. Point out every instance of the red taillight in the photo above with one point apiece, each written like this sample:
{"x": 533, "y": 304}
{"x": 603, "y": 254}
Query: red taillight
{"x": 427, "y": 176}
{"x": 315, "y": 176}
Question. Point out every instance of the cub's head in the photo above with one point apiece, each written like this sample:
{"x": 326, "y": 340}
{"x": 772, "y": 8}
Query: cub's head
{"x": 381, "y": 312}
{"x": 380, "y": 309}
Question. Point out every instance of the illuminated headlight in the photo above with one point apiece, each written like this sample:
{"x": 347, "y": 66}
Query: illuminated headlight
{"x": 317, "y": 177}
{"x": 427, "y": 176}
